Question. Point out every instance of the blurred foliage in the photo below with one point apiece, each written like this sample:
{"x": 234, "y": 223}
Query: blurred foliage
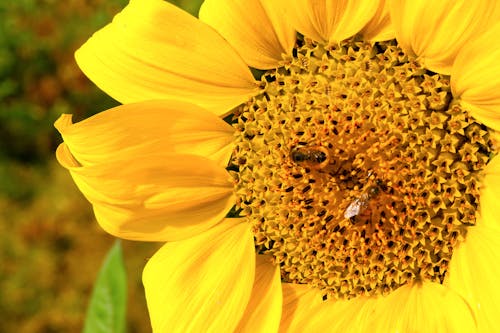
{"x": 38, "y": 76}
{"x": 191, "y": 6}
{"x": 39, "y": 80}
{"x": 51, "y": 247}
{"x": 50, "y": 252}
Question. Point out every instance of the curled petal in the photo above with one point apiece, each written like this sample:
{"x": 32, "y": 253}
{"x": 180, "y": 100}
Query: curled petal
{"x": 204, "y": 283}
{"x": 254, "y": 28}
{"x": 146, "y": 128}
{"x": 161, "y": 197}
{"x": 154, "y": 50}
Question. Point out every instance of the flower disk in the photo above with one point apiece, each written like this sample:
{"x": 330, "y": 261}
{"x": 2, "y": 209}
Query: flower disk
{"x": 357, "y": 169}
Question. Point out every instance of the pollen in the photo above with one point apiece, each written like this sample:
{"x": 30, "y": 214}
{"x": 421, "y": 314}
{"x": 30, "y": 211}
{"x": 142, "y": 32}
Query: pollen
{"x": 357, "y": 169}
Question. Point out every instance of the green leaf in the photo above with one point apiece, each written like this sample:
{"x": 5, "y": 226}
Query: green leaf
{"x": 108, "y": 303}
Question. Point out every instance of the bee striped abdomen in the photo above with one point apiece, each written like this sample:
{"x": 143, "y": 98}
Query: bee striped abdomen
{"x": 316, "y": 157}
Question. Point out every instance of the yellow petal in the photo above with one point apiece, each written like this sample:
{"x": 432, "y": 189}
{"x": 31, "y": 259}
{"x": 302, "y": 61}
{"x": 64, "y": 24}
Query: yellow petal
{"x": 490, "y": 195}
{"x": 146, "y": 128}
{"x": 162, "y": 197}
{"x": 254, "y": 28}
{"x": 330, "y": 21}
{"x": 298, "y": 301}
{"x": 154, "y": 50}
{"x": 435, "y": 31}
{"x": 263, "y": 313}
{"x": 474, "y": 273}
{"x": 475, "y": 77}
{"x": 424, "y": 307}
{"x": 305, "y": 311}
{"x": 427, "y": 307}
{"x": 201, "y": 284}
{"x": 379, "y": 28}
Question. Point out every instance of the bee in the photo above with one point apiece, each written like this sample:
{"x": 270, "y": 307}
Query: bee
{"x": 315, "y": 157}
{"x": 361, "y": 204}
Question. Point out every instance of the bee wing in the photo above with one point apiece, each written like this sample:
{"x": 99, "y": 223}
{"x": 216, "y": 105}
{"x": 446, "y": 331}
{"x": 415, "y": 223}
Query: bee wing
{"x": 357, "y": 206}
{"x": 353, "y": 209}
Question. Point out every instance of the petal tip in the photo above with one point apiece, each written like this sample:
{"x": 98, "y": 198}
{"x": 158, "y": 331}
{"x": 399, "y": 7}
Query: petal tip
{"x": 63, "y": 121}
{"x": 65, "y": 158}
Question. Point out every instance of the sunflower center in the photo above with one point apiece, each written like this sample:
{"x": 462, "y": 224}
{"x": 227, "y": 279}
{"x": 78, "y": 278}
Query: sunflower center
{"x": 357, "y": 170}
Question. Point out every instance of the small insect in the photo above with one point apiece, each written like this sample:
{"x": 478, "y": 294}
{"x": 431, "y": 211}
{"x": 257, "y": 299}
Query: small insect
{"x": 315, "y": 157}
{"x": 360, "y": 205}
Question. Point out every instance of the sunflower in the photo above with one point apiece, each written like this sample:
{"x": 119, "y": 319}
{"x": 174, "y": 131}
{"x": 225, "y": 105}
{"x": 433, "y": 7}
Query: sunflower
{"x": 312, "y": 166}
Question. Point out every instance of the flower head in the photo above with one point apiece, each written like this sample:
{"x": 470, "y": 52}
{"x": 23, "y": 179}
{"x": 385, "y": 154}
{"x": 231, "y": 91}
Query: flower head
{"x": 358, "y": 168}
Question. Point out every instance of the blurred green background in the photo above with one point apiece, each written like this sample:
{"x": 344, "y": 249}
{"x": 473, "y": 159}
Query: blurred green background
{"x": 51, "y": 248}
